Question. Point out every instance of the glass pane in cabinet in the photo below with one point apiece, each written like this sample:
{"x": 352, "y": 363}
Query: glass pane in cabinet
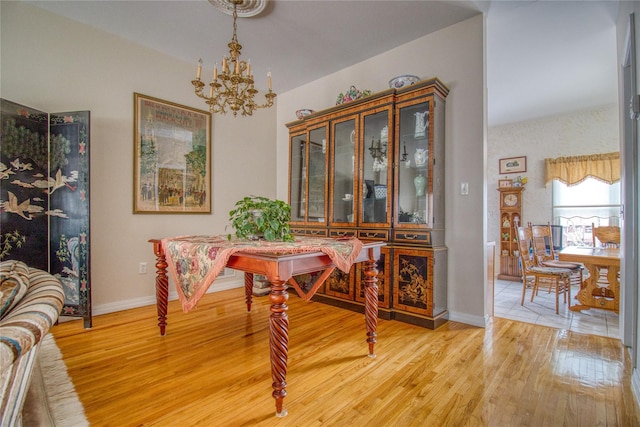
{"x": 298, "y": 184}
{"x": 317, "y": 175}
{"x": 343, "y": 171}
{"x": 375, "y": 167}
{"x": 414, "y": 161}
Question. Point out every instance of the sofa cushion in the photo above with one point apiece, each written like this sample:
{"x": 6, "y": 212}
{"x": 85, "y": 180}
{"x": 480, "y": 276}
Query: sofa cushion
{"x": 14, "y": 281}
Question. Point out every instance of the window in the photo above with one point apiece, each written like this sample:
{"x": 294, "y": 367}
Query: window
{"x": 576, "y": 207}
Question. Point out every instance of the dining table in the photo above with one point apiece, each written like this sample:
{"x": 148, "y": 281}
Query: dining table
{"x": 601, "y": 288}
{"x": 194, "y": 262}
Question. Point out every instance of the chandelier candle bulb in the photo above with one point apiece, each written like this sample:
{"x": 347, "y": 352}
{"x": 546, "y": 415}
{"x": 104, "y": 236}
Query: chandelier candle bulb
{"x": 269, "y": 79}
{"x": 215, "y": 72}
{"x": 249, "y": 68}
{"x": 199, "y": 69}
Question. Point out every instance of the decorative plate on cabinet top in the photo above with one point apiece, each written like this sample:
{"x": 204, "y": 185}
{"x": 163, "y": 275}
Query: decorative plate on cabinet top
{"x": 351, "y": 95}
{"x": 402, "y": 81}
{"x": 303, "y": 112}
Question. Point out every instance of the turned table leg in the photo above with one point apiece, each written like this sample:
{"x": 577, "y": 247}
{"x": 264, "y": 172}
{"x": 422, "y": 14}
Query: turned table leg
{"x": 371, "y": 303}
{"x": 279, "y": 343}
{"x": 248, "y": 289}
{"x": 162, "y": 285}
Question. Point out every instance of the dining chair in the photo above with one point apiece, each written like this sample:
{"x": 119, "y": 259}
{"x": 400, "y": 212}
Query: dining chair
{"x": 559, "y": 279}
{"x": 542, "y": 240}
{"x": 605, "y": 236}
{"x": 544, "y": 255}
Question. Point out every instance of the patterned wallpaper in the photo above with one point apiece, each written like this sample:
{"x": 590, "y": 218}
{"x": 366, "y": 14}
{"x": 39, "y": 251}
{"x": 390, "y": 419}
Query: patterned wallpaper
{"x": 588, "y": 131}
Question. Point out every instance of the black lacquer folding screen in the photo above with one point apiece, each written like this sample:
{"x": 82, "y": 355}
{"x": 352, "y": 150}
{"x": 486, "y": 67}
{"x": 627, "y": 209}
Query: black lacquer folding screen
{"x": 44, "y": 194}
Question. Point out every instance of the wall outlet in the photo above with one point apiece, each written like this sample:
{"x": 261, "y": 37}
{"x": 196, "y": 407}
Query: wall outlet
{"x": 142, "y": 268}
{"x": 464, "y": 188}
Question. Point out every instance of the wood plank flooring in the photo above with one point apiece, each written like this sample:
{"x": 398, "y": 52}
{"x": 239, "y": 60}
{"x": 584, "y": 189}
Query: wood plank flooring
{"x": 212, "y": 369}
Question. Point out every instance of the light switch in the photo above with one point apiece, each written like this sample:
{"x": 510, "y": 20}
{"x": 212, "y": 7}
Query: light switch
{"x": 464, "y": 188}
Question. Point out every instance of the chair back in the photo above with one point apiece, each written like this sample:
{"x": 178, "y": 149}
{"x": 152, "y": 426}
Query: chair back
{"x": 606, "y": 236}
{"x": 525, "y": 242}
{"x": 542, "y": 241}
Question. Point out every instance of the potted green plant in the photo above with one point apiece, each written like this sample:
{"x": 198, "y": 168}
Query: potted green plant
{"x": 255, "y": 217}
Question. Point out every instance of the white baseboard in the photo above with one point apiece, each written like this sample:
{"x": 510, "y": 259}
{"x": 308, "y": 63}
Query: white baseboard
{"x": 467, "y": 319}
{"x": 112, "y": 307}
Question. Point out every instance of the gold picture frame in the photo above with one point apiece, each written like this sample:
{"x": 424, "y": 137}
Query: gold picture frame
{"x": 172, "y": 157}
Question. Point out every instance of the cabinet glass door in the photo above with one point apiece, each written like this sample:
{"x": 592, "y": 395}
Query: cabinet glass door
{"x": 376, "y": 176}
{"x": 317, "y": 176}
{"x": 298, "y": 177}
{"x": 344, "y": 169}
{"x": 415, "y": 157}
{"x": 307, "y": 180}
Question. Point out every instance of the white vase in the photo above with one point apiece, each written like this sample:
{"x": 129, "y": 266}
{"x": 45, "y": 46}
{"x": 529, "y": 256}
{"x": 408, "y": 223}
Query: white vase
{"x": 420, "y": 156}
{"x": 420, "y": 182}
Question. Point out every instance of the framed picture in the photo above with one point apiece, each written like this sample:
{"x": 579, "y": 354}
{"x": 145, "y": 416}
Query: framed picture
{"x": 172, "y": 157}
{"x": 505, "y": 183}
{"x": 513, "y": 165}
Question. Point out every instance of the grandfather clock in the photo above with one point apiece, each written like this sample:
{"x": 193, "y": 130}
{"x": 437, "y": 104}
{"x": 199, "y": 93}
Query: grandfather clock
{"x": 510, "y": 219}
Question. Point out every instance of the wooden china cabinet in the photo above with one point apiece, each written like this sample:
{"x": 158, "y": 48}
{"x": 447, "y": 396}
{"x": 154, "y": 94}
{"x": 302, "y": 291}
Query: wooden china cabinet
{"x": 510, "y": 219}
{"x": 374, "y": 168}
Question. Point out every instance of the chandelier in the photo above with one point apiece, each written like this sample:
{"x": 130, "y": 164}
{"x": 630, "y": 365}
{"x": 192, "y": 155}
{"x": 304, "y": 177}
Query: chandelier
{"x": 232, "y": 88}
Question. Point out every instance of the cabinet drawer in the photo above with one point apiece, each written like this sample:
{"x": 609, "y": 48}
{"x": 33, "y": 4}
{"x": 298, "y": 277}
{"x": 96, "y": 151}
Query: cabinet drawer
{"x": 347, "y": 232}
{"x": 321, "y": 232}
{"x": 423, "y": 237}
{"x": 303, "y": 231}
{"x": 373, "y": 234}
{"x": 298, "y": 231}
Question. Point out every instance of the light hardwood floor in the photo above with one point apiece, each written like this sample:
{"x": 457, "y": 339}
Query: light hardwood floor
{"x": 212, "y": 369}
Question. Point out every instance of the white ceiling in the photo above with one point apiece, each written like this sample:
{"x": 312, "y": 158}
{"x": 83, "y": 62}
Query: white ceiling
{"x": 543, "y": 57}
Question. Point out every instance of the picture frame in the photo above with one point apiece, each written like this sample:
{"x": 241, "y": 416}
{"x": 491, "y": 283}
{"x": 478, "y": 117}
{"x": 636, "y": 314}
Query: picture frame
{"x": 513, "y": 165}
{"x": 172, "y": 157}
{"x": 505, "y": 183}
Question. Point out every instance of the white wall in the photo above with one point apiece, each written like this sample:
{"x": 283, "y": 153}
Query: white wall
{"x": 589, "y": 131}
{"x": 54, "y": 64}
{"x": 455, "y": 55}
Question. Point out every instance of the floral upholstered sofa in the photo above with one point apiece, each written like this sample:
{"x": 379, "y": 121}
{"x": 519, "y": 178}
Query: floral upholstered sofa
{"x": 30, "y": 303}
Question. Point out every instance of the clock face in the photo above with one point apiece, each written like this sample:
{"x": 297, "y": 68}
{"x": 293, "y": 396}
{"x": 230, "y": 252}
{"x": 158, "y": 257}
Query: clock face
{"x": 510, "y": 200}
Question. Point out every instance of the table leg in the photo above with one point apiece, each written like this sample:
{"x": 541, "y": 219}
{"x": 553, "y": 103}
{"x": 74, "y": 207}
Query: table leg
{"x": 279, "y": 343}
{"x": 162, "y": 285}
{"x": 248, "y": 289}
{"x": 371, "y": 303}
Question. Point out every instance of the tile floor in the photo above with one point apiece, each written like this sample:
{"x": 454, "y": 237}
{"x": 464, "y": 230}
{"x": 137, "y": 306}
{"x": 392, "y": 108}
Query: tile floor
{"x": 542, "y": 311}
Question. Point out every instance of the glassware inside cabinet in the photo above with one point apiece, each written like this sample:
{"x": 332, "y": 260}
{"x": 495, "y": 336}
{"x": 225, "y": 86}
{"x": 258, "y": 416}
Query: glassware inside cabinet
{"x": 375, "y": 168}
{"x": 317, "y": 168}
{"x": 414, "y": 162}
{"x": 344, "y": 167}
{"x": 298, "y": 177}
